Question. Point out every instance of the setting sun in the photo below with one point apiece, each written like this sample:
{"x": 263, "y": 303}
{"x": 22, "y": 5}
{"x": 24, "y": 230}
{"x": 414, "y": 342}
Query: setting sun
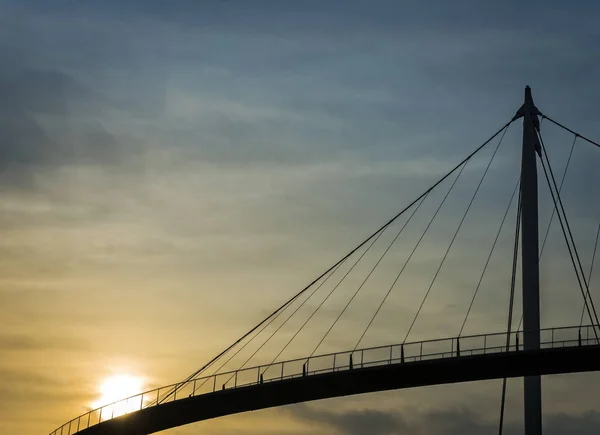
{"x": 116, "y": 388}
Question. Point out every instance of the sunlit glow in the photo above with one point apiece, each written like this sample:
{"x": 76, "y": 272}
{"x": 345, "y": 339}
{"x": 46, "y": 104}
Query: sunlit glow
{"x": 119, "y": 389}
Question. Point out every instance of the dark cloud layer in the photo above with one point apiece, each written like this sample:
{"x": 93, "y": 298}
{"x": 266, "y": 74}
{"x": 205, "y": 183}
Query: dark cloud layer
{"x": 48, "y": 119}
{"x": 440, "y": 422}
{"x": 17, "y": 343}
{"x": 352, "y": 83}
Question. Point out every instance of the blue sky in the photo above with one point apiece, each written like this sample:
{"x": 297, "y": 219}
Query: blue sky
{"x": 199, "y": 161}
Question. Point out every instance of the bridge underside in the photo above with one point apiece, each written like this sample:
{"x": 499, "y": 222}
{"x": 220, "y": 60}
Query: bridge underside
{"x": 349, "y": 382}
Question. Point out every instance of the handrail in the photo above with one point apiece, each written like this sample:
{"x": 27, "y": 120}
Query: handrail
{"x": 122, "y": 407}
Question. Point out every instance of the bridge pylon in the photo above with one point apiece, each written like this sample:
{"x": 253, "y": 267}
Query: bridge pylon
{"x": 530, "y": 258}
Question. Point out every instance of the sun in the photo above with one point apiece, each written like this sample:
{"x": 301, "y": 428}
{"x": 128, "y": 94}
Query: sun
{"x": 116, "y": 388}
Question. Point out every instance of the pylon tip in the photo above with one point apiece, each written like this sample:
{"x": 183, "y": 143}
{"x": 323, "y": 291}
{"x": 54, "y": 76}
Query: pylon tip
{"x": 528, "y": 93}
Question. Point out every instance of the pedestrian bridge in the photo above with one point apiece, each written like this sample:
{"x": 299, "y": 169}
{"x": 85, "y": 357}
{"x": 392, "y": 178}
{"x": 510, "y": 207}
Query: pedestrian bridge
{"x": 409, "y": 364}
{"x": 430, "y": 362}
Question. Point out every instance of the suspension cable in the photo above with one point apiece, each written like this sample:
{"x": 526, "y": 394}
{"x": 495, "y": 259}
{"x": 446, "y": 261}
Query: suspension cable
{"x": 591, "y": 270}
{"x": 487, "y": 262}
{"x": 569, "y": 130}
{"x": 321, "y": 304}
{"x": 370, "y": 273}
{"x": 566, "y": 220}
{"x": 274, "y": 332}
{"x": 510, "y": 307}
{"x": 316, "y": 309}
{"x": 266, "y": 324}
{"x": 337, "y": 285}
{"x": 562, "y": 181}
{"x": 411, "y": 254}
{"x": 514, "y": 272}
{"x": 564, "y": 231}
{"x": 364, "y": 242}
{"x": 295, "y": 311}
{"x": 455, "y": 234}
{"x": 462, "y": 165}
{"x": 568, "y": 226}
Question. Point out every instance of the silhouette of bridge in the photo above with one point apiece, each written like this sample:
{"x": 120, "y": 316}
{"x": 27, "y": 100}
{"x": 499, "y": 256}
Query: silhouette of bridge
{"x": 528, "y": 352}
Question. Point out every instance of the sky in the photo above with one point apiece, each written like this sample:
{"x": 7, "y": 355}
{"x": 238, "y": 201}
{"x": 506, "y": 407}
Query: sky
{"x": 171, "y": 172}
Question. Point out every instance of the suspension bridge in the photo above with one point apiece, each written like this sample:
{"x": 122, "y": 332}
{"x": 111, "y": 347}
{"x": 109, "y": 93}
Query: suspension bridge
{"x": 522, "y": 349}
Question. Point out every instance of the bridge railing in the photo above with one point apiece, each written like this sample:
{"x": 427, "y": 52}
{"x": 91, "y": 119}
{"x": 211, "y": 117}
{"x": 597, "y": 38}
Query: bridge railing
{"x": 333, "y": 362}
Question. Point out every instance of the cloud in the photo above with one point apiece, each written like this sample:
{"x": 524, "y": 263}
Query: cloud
{"x": 436, "y": 422}
{"x": 583, "y": 424}
{"x": 22, "y": 377}
{"x": 15, "y": 343}
{"x": 359, "y": 422}
{"x": 27, "y": 386}
{"x": 48, "y": 120}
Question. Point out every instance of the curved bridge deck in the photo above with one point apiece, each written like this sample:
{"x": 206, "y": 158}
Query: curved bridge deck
{"x": 432, "y": 362}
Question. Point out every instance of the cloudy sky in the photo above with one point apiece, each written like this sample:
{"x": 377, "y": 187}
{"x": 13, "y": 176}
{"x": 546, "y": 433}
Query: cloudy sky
{"x": 170, "y": 172}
